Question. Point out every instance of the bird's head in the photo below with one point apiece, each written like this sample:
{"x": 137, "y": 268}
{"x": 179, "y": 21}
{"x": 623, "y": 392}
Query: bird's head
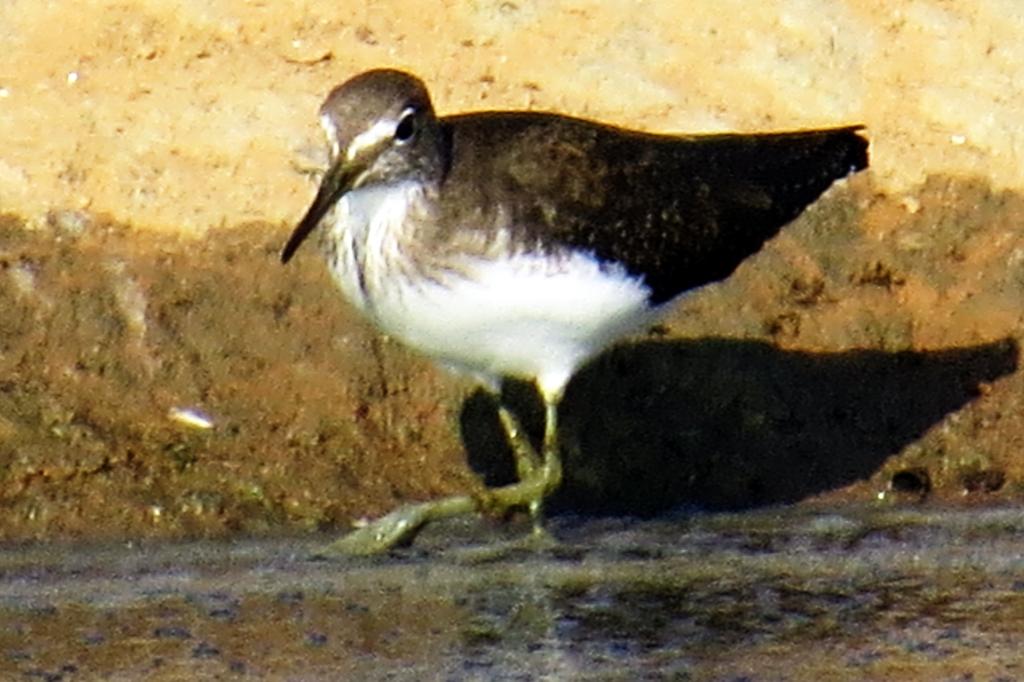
{"x": 381, "y": 129}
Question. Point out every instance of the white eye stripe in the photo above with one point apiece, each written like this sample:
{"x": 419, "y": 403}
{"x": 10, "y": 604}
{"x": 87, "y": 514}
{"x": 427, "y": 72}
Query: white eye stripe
{"x": 331, "y": 131}
{"x": 379, "y": 131}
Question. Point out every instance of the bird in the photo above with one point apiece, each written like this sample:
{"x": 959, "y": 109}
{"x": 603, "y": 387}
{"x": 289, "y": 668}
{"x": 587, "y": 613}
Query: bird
{"x": 522, "y": 244}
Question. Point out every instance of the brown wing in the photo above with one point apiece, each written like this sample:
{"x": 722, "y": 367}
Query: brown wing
{"x": 680, "y": 211}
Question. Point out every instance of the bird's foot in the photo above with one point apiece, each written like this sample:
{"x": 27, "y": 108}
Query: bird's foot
{"x": 538, "y": 478}
{"x": 401, "y": 526}
{"x": 398, "y": 527}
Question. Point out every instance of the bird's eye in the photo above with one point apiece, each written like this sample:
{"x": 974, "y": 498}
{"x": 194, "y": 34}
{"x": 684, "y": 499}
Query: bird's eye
{"x": 406, "y": 128}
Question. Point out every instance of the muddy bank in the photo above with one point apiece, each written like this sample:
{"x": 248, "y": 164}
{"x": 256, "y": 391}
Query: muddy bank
{"x": 152, "y": 386}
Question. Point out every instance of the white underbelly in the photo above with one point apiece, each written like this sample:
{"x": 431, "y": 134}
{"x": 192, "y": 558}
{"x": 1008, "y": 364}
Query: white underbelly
{"x": 527, "y": 316}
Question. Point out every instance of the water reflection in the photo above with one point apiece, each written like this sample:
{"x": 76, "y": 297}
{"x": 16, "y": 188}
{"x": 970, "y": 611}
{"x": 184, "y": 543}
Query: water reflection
{"x": 783, "y": 594}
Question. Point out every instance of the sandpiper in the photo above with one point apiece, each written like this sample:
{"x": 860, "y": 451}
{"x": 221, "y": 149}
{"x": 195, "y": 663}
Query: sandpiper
{"x": 523, "y": 244}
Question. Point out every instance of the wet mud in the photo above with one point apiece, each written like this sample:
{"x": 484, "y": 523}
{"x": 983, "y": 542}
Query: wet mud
{"x": 852, "y": 594}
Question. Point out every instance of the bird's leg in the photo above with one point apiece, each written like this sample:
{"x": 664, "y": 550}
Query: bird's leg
{"x": 539, "y": 477}
{"x": 551, "y": 471}
{"x": 543, "y": 474}
{"x": 527, "y": 461}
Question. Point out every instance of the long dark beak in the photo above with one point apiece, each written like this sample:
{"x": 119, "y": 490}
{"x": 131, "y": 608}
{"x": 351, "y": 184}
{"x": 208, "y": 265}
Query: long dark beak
{"x": 339, "y": 179}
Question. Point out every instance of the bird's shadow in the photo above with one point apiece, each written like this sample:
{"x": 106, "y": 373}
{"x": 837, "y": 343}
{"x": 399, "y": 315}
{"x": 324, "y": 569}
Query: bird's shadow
{"x": 730, "y": 424}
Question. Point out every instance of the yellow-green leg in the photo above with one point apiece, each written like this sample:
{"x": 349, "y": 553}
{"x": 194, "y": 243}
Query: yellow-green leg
{"x": 527, "y": 461}
{"x": 529, "y": 466}
{"x": 539, "y": 476}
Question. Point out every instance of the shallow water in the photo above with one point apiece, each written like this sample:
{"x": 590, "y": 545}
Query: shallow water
{"x": 789, "y": 594}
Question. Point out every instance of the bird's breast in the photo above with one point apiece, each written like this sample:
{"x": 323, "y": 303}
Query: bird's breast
{"x": 367, "y": 241}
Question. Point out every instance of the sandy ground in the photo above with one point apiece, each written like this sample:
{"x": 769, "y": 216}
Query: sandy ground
{"x": 192, "y": 116}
